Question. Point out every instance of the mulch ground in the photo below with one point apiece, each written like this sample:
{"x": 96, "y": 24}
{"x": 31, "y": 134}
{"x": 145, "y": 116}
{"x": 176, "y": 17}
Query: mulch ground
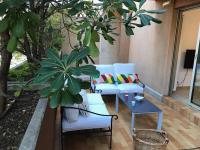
{"x": 15, "y": 123}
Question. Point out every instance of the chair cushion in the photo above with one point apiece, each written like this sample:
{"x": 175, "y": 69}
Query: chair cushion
{"x": 130, "y": 88}
{"x": 107, "y": 88}
{"x": 95, "y": 99}
{"x": 91, "y": 122}
{"x": 85, "y": 104}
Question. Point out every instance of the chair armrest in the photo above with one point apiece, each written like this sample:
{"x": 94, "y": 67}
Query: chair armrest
{"x": 113, "y": 116}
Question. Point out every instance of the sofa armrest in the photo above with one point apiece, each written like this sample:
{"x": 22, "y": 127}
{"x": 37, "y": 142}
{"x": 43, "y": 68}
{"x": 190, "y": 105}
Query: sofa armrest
{"x": 141, "y": 83}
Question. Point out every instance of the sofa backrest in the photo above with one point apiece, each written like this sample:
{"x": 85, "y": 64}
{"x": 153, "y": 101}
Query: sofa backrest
{"x": 103, "y": 69}
{"x": 124, "y": 68}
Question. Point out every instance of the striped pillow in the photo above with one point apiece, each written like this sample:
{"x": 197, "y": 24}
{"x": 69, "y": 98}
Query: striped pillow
{"x": 127, "y": 78}
{"x": 105, "y": 78}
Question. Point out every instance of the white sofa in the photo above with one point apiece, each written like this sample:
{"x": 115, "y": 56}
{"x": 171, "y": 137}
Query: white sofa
{"x": 118, "y": 68}
{"x": 98, "y": 117}
{"x": 111, "y": 89}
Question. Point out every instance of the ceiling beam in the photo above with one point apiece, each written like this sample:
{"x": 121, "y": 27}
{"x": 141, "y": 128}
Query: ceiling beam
{"x": 185, "y": 3}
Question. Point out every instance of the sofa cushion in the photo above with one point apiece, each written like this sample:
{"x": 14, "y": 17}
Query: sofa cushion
{"x": 124, "y": 68}
{"x": 95, "y": 99}
{"x": 107, "y": 88}
{"x": 127, "y": 78}
{"x": 91, "y": 122}
{"x": 130, "y": 88}
{"x": 104, "y": 78}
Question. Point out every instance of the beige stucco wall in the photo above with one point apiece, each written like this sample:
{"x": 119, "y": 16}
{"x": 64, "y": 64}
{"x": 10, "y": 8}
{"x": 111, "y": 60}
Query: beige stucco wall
{"x": 188, "y": 39}
{"x": 151, "y": 49}
{"x": 109, "y": 54}
{"x": 119, "y": 51}
{"x": 71, "y": 38}
{"x": 124, "y": 46}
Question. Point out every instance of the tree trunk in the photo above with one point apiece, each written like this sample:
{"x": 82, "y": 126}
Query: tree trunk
{"x": 4, "y": 69}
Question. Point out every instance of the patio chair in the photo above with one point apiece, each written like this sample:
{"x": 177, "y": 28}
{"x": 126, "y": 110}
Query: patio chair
{"x": 98, "y": 119}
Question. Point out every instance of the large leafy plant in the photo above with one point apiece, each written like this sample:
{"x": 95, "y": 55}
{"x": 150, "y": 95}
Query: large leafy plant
{"x": 17, "y": 20}
{"x": 88, "y": 20}
{"x": 59, "y": 74}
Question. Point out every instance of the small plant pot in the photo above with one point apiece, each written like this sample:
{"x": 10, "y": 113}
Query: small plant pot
{"x": 71, "y": 114}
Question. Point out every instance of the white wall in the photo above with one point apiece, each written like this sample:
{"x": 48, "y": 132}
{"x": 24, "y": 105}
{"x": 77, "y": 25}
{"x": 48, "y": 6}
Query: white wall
{"x": 188, "y": 39}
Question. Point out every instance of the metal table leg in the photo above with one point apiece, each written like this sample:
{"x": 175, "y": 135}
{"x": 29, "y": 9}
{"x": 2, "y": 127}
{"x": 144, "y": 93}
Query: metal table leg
{"x": 132, "y": 121}
{"x": 117, "y": 104}
{"x": 160, "y": 119}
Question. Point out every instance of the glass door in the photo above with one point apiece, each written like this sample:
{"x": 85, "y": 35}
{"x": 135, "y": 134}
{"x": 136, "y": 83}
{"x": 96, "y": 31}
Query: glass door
{"x": 195, "y": 85}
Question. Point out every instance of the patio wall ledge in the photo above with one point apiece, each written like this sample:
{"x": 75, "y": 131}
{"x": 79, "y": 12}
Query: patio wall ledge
{"x": 29, "y": 140}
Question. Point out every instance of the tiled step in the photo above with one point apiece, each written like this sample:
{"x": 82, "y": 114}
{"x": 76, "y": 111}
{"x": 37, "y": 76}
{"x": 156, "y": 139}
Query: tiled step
{"x": 185, "y": 110}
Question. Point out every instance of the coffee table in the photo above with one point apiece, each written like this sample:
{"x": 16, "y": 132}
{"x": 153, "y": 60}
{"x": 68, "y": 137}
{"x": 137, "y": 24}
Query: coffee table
{"x": 140, "y": 107}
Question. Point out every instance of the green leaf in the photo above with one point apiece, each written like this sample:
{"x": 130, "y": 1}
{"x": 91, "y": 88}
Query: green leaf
{"x": 129, "y": 30}
{"x": 33, "y": 18}
{"x": 17, "y": 93}
{"x": 130, "y": 4}
{"x": 108, "y": 38}
{"x": 45, "y": 92}
{"x": 74, "y": 71}
{"x": 18, "y": 29}
{"x": 12, "y": 44}
{"x": 75, "y": 55}
{"x": 159, "y": 11}
{"x": 3, "y": 8}
{"x": 89, "y": 70}
{"x": 55, "y": 100}
{"x": 87, "y": 38}
{"x": 65, "y": 58}
{"x": 43, "y": 78}
{"x": 85, "y": 85}
{"x": 66, "y": 98}
{"x": 142, "y": 3}
{"x": 3, "y": 25}
{"x": 78, "y": 99}
{"x": 58, "y": 82}
{"x": 15, "y": 3}
{"x": 146, "y": 19}
{"x": 94, "y": 51}
{"x": 53, "y": 55}
{"x": 156, "y": 20}
{"x": 33, "y": 35}
{"x": 95, "y": 36}
{"x": 74, "y": 85}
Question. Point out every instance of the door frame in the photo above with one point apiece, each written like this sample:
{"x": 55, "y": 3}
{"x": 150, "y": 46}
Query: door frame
{"x": 176, "y": 45}
{"x": 194, "y": 72}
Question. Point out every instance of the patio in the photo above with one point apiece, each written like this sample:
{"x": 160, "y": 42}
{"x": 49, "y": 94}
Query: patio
{"x": 182, "y": 133}
{"x": 52, "y": 51}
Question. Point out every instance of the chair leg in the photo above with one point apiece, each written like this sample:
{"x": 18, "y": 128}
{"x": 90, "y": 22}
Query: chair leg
{"x": 110, "y": 144}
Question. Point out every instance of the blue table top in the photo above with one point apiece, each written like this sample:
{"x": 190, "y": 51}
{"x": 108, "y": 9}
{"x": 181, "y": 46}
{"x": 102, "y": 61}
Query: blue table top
{"x": 140, "y": 107}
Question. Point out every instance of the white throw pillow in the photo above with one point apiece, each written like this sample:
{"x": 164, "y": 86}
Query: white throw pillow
{"x": 85, "y": 104}
{"x": 71, "y": 114}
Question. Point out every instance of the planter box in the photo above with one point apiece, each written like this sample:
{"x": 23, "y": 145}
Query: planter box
{"x": 30, "y": 138}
